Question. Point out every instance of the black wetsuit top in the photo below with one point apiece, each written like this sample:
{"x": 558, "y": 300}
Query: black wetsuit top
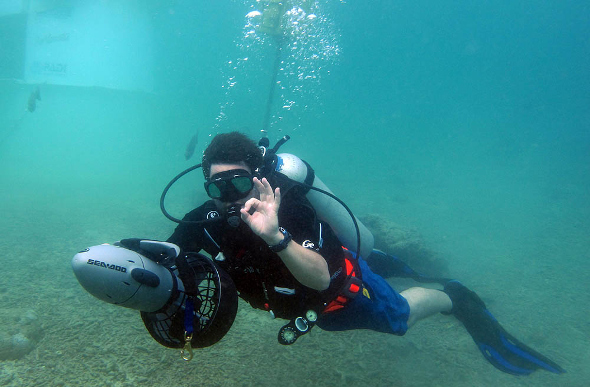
{"x": 261, "y": 278}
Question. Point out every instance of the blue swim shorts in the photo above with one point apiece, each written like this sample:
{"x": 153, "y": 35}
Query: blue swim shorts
{"x": 384, "y": 311}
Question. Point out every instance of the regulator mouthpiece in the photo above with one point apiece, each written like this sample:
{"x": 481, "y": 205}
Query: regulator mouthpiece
{"x": 233, "y": 215}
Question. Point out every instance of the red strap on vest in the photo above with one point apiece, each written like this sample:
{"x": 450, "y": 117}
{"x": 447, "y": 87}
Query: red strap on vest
{"x": 350, "y": 290}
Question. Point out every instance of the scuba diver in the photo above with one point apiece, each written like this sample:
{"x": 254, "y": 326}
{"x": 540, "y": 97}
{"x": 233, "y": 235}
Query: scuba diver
{"x": 280, "y": 240}
{"x": 264, "y": 228}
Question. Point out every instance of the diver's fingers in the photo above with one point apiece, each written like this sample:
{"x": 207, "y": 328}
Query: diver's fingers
{"x": 260, "y": 188}
{"x": 278, "y": 197}
{"x": 246, "y": 217}
{"x": 272, "y": 196}
{"x": 264, "y": 188}
{"x": 251, "y": 205}
{"x": 257, "y": 183}
{"x": 266, "y": 184}
{"x": 267, "y": 188}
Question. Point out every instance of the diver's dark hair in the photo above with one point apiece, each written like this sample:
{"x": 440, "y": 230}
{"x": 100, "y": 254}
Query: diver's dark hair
{"x": 231, "y": 148}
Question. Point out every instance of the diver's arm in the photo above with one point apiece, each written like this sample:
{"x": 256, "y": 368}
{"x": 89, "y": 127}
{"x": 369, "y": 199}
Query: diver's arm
{"x": 261, "y": 215}
{"x": 307, "y": 266}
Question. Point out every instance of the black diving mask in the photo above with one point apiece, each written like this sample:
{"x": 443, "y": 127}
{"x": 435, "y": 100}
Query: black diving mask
{"x": 229, "y": 186}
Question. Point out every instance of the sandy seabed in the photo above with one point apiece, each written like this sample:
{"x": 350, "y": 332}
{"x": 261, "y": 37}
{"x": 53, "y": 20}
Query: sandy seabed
{"x": 88, "y": 342}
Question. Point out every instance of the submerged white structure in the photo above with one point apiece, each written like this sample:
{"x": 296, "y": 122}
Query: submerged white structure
{"x": 78, "y": 43}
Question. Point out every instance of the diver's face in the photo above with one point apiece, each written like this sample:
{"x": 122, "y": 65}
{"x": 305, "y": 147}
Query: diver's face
{"x": 218, "y": 168}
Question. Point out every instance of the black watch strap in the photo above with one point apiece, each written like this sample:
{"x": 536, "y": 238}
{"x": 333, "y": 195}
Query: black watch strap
{"x": 282, "y": 245}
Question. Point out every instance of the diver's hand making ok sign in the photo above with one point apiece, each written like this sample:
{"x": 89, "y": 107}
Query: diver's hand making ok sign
{"x": 261, "y": 214}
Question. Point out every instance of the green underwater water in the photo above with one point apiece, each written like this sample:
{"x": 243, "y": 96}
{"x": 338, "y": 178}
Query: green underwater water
{"x": 469, "y": 123}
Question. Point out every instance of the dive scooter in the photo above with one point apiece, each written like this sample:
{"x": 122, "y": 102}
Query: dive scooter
{"x": 186, "y": 300}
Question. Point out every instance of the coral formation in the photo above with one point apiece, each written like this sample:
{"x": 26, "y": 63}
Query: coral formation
{"x": 406, "y": 244}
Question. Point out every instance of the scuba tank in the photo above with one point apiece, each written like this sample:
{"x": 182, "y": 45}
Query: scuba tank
{"x": 328, "y": 209}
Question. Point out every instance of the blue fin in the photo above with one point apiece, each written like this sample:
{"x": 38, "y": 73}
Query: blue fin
{"x": 499, "y": 347}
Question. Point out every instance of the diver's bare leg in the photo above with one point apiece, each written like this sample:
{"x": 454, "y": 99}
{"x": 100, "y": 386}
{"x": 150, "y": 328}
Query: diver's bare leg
{"x": 425, "y": 302}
